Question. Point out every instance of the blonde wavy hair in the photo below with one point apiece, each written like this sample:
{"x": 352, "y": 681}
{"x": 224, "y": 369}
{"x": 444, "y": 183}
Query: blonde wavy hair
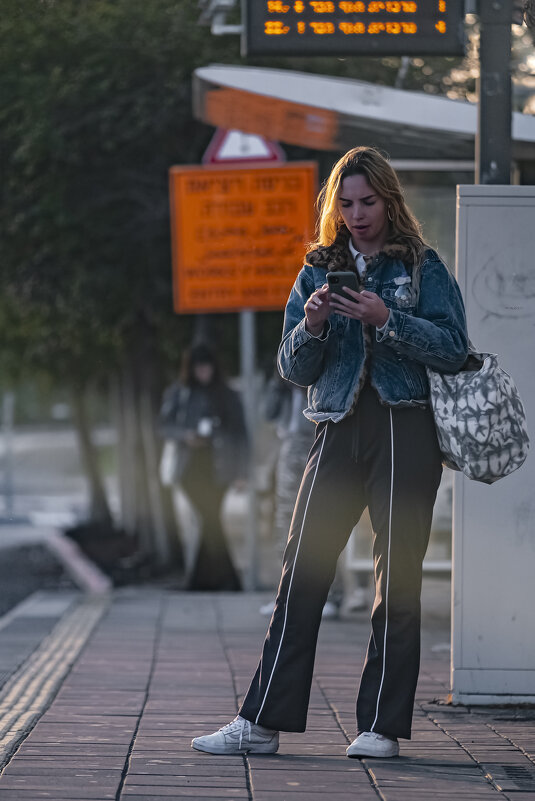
{"x": 381, "y": 176}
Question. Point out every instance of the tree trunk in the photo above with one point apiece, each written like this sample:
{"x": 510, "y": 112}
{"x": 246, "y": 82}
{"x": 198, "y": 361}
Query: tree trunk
{"x": 147, "y": 509}
{"x": 146, "y": 422}
{"x": 135, "y": 513}
{"x": 126, "y": 428}
{"x": 99, "y": 510}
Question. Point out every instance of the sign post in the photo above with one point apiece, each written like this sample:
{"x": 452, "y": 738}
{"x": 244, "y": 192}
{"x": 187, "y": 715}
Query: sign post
{"x": 493, "y": 141}
{"x": 248, "y": 375}
{"x": 238, "y": 236}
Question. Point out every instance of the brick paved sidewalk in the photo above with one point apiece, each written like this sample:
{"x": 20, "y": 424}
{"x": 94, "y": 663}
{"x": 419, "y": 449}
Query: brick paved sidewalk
{"x": 161, "y": 667}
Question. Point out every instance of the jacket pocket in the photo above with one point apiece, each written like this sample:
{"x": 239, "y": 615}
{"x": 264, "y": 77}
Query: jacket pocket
{"x": 399, "y": 296}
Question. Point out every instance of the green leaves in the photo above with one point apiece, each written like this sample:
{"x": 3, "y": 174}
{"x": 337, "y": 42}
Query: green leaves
{"x": 96, "y": 107}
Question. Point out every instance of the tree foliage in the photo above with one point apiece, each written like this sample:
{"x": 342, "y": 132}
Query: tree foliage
{"x": 96, "y": 107}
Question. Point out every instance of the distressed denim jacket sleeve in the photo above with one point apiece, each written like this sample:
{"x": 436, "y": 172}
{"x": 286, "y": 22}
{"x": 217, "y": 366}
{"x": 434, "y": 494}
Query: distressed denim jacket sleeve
{"x": 436, "y": 335}
{"x": 301, "y": 355}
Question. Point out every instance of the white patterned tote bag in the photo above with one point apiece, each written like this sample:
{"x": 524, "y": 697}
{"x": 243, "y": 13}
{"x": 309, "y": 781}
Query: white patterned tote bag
{"x": 480, "y": 419}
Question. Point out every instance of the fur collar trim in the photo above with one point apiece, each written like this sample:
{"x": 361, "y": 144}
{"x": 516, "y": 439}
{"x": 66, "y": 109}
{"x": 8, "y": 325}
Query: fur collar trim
{"x": 337, "y": 256}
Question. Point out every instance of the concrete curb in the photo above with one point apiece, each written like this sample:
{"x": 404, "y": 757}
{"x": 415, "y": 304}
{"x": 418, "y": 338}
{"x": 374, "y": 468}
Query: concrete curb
{"x": 85, "y": 574}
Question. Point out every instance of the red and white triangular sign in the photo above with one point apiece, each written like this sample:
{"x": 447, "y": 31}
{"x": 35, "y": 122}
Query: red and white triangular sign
{"x": 236, "y": 147}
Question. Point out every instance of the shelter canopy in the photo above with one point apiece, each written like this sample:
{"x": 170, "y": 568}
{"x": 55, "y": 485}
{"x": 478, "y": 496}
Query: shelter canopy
{"x": 329, "y": 113}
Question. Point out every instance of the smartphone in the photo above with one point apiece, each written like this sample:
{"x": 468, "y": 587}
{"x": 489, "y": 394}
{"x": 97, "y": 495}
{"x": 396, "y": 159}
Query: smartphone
{"x": 337, "y": 280}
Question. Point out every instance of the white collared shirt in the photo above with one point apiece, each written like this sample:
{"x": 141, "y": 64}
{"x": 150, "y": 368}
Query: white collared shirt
{"x": 360, "y": 263}
{"x": 359, "y": 258}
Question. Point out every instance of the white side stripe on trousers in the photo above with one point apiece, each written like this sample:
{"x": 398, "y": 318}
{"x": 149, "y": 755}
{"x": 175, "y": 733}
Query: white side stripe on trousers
{"x": 387, "y": 566}
{"x": 292, "y": 576}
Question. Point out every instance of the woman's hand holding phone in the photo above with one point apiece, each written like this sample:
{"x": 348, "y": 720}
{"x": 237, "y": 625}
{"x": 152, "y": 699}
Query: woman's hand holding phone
{"x": 364, "y": 306}
{"x": 317, "y": 310}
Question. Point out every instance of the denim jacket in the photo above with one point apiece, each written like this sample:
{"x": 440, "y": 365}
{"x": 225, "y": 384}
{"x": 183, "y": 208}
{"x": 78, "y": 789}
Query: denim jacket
{"x": 426, "y": 327}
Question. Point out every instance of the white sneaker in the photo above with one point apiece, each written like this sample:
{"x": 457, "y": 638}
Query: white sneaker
{"x": 371, "y": 744}
{"x": 240, "y": 736}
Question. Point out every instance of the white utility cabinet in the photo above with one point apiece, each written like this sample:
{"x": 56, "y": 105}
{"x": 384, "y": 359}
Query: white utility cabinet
{"x": 493, "y": 592}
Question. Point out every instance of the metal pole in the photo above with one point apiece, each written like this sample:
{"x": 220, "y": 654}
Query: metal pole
{"x": 248, "y": 375}
{"x": 8, "y": 407}
{"x": 493, "y": 142}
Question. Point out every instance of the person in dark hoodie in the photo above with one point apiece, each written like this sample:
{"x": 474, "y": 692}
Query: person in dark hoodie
{"x": 363, "y": 357}
{"x": 203, "y": 418}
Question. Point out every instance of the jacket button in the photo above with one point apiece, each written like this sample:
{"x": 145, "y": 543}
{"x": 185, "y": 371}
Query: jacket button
{"x": 391, "y": 333}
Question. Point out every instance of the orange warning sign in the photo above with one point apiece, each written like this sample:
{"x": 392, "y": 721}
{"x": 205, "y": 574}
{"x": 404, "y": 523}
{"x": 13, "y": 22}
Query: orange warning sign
{"x": 239, "y": 234}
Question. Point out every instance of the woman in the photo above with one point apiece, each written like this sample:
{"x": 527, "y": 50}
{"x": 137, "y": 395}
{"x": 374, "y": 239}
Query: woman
{"x": 363, "y": 360}
{"x": 205, "y": 418}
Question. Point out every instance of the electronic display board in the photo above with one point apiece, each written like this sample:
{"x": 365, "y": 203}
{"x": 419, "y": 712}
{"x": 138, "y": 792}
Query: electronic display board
{"x": 353, "y": 27}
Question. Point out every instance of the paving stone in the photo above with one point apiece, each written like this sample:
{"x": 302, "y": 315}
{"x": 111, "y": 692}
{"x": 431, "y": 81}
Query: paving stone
{"x": 66, "y": 749}
{"x": 520, "y": 796}
{"x": 314, "y": 738}
{"x": 62, "y": 713}
{"x": 302, "y": 780}
{"x": 33, "y": 763}
{"x": 91, "y": 730}
{"x": 432, "y": 759}
{"x": 42, "y": 738}
{"x": 189, "y": 756}
{"x": 30, "y": 795}
{"x": 99, "y": 774}
{"x": 158, "y": 742}
{"x": 431, "y": 787}
{"x": 83, "y": 782}
{"x": 136, "y": 796}
{"x": 301, "y": 793}
{"x": 223, "y": 793}
{"x": 118, "y": 727}
{"x": 445, "y": 794}
{"x": 160, "y": 767}
{"x": 76, "y": 718}
{"x": 513, "y": 776}
{"x": 57, "y": 793}
{"x": 308, "y": 763}
{"x": 215, "y": 781}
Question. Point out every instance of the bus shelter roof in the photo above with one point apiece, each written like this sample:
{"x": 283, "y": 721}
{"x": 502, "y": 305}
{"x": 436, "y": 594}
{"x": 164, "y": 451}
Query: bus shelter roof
{"x": 329, "y": 113}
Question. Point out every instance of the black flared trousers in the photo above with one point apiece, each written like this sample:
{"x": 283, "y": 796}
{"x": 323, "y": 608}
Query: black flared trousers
{"x": 213, "y": 568}
{"x": 388, "y": 460}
